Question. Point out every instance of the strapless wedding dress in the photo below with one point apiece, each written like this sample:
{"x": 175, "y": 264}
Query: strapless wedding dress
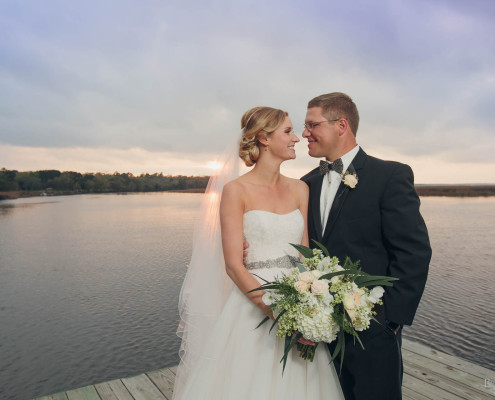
{"x": 241, "y": 362}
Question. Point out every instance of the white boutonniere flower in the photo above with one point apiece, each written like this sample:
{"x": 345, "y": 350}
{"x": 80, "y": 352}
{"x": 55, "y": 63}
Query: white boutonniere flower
{"x": 349, "y": 179}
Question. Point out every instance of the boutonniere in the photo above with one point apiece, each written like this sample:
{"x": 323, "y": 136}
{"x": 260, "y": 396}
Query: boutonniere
{"x": 350, "y": 179}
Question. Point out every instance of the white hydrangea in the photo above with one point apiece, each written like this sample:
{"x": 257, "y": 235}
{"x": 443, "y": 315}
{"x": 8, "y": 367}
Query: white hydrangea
{"x": 319, "y": 327}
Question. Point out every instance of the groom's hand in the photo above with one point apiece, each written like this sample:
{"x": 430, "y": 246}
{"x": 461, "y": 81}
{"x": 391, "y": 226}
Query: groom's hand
{"x": 245, "y": 245}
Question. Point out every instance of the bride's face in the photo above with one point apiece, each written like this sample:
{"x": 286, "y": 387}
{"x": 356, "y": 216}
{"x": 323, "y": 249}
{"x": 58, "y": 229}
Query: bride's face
{"x": 282, "y": 141}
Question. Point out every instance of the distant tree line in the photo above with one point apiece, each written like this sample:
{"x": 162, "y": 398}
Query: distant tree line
{"x": 68, "y": 181}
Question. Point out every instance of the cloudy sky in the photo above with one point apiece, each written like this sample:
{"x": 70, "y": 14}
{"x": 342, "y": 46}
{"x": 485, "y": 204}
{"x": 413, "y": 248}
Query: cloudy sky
{"x": 160, "y": 85}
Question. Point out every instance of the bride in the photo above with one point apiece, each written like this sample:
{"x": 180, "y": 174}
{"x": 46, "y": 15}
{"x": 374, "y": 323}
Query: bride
{"x": 223, "y": 355}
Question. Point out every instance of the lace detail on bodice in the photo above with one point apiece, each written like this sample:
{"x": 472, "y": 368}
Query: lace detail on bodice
{"x": 269, "y": 235}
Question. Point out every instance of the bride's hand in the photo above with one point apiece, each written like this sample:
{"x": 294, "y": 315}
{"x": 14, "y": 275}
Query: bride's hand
{"x": 303, "y": 340}
{"x": 268, "y": 311}
{"x": 245, "y": 245}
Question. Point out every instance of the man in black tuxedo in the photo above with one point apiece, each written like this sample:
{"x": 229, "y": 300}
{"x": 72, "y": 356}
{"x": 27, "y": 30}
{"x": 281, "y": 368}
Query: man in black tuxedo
{"x": 376, "y": 221}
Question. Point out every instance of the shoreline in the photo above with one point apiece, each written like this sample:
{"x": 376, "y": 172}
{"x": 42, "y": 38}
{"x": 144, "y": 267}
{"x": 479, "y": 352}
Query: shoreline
{"x": 423, "y": 190}
{"x": 19, "y": 194}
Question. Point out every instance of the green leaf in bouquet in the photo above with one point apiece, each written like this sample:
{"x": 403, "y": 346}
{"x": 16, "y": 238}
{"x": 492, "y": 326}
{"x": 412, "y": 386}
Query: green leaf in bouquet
{"x": 374, "y": 319}
{"x": 323, "y": 248}
{"x": 289, "y": 344}
{"x": 301, "y": 267}
{"x": 374, "y": 280}
{"x": 339, "y": 349}
{"x": 376, "y": 283}
{"x": 263, "y": 279}
{"x": 330, "y": 275}
{"x": 305, "y": 251}
{"x": 262, "y": 322}
{"x": 348, "y": 264}
{"x": 356, "y": 337}
{"x": 266, "y": 286}
{"x": 276, "y": 320}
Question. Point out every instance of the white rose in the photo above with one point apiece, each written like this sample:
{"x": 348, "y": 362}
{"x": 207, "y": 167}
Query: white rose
{"x": 316, "y": 274}
{"x": 306, "y": 277}
{"x": 350, "y": 180}
{"x": 301, "y": 286}
{"x": 319, "y": 287}
{"x": 348, "y": 301}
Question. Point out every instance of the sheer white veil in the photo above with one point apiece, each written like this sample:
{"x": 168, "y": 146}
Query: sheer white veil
{"x": 206, "y": 285}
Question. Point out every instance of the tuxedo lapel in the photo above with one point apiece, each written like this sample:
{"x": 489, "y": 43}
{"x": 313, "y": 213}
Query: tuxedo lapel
{"x": 342, "y": 193}
{"x": 315, "y": 192}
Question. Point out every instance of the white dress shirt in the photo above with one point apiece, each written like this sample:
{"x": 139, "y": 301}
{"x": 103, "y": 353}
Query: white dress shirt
{"x": 330, "y": 185}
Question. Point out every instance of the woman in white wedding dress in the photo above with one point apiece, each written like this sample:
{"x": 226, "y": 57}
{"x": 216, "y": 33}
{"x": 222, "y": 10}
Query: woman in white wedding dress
{"x": 223, "y": 355}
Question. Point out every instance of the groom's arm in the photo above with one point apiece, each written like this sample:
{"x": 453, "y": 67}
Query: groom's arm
{"x": 405, "y": 238}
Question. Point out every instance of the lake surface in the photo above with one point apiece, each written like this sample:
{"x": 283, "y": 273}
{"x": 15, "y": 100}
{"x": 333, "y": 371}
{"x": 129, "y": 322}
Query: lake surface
{"x": 89, "y": 286}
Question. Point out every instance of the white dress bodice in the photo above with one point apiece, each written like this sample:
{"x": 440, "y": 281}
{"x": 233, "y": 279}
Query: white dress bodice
{"x": 269, "y": 236}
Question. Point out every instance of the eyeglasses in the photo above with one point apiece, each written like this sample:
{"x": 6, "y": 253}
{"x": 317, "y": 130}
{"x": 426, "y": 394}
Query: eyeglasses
{"x": 312, "y": 125}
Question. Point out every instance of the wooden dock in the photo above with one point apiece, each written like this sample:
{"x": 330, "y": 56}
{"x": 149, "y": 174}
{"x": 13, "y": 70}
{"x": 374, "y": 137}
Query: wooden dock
{"x": 428, "y": 374}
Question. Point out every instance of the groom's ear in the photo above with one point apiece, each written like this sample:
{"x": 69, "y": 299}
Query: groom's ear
{"x": 343, "y": 126}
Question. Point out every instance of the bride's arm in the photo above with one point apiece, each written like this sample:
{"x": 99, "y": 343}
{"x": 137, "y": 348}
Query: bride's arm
{"x": 303, "y": 193}
{"x": 231, "y": 220}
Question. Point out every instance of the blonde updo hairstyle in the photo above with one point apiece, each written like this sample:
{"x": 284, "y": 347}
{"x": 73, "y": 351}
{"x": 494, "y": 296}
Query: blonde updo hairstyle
{"x": 258, "y": 123}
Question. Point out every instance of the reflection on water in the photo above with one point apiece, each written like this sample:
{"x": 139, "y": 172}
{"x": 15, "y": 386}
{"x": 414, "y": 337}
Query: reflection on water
{"x": 89, "y": 286}
{"x": 457, "y": 312}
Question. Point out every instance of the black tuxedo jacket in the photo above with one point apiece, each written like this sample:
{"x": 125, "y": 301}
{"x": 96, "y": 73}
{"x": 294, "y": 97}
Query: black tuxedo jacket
{"x": 377, "y": 222}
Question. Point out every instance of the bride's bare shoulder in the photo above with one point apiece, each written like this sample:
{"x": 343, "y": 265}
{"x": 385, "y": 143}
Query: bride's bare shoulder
{"x": 297, "y": 185}
{"x": 234, "y": 190}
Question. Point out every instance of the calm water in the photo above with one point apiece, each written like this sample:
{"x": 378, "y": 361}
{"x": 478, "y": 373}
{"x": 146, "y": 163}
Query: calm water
{"x": 89, "y": 286}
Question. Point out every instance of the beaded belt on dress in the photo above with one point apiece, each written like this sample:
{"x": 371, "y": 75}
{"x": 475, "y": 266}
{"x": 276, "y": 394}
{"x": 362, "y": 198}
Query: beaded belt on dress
{"x": 281, "y": 262}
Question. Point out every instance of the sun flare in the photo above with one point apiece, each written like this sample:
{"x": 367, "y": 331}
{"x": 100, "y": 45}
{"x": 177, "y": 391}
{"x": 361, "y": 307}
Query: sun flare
{"x": 214, "y": 165}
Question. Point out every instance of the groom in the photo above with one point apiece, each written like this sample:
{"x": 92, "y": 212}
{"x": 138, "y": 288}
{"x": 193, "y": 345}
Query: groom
{"x": 376, "y": 221}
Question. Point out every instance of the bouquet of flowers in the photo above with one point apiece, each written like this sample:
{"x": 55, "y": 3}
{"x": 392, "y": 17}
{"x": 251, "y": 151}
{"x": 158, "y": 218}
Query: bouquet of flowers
{"x": 321, "y": 300}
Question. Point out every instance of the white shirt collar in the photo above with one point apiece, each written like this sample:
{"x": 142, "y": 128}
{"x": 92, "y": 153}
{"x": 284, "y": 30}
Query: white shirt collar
{"x": 348, "y": 157}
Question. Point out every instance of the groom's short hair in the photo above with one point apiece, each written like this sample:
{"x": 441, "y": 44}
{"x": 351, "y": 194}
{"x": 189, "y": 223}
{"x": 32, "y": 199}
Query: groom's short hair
{"x": 337, "y": 105}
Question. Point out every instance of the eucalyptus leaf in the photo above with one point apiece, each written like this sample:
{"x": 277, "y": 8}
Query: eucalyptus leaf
{"x": 323, "y": 248}
{"x": 301, "y": 267}
{"x": 305, "y": 251}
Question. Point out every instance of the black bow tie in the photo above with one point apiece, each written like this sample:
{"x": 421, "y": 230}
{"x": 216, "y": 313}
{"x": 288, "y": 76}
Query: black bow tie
{"x": 336, "y": 166}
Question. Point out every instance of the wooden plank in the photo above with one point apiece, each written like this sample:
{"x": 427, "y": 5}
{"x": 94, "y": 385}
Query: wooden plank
{"x": 164, "y": 380}
{"x": 441, "y": 381}
{"x": 56, "y": 396}
{"x": 453, "y": 373}
{"x": 113, "y": 390}
{"x": 410, "y": 394}
{"x": 141, "y": 388}
{"x": 427, "y": 390}
{"x": 84, "y": 393}
{"x": 447, "y": 359}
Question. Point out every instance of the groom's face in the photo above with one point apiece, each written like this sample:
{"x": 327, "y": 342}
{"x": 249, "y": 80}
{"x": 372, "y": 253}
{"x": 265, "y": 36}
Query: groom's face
{"x": 322, "y": 138}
